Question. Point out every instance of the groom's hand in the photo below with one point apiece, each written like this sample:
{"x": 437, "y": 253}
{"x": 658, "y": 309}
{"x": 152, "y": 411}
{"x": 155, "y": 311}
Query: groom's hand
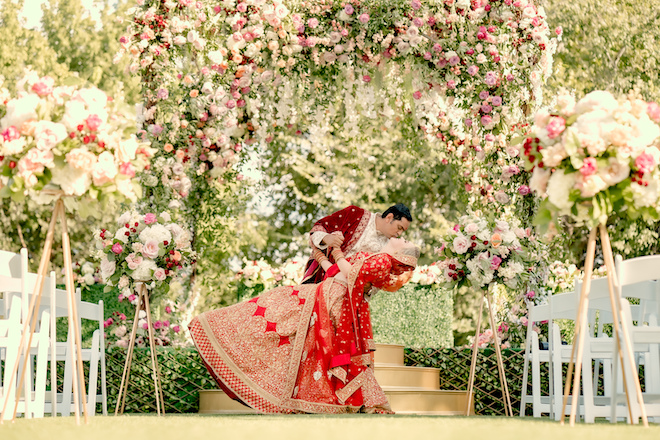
{"x": 333, "y": 240}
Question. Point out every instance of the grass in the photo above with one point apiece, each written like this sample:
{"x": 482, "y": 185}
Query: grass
{"x": 317, "y": 427}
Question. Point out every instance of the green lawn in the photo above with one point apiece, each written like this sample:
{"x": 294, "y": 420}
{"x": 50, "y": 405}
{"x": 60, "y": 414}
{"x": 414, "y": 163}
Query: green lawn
{"x": 247, "y": 427}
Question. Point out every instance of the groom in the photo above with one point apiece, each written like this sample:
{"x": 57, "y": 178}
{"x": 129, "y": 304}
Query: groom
{"x": 361, "y": 231}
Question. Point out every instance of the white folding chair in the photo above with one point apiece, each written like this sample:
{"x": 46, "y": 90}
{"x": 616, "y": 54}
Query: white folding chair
{"x": 10, "y": 335}
{"x": 95, "y": 355}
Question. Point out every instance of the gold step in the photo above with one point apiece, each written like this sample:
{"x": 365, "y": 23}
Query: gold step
{"x": 407, "y": 400}
{"x": 389, "y": 354}
{"x": 217, "y": 402}
{"x": 400, "y": 376}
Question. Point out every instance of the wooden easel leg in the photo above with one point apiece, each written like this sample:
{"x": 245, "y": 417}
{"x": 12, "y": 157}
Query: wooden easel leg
{"x": 580, "y": 326}
{"x": 160, "y": 403}
{"x": 74, "y": 324}
{"x": 35, "y": 302}
{"x": 475, "y": 351}
{"x": 623, "y": 335}
{"x": 508, "y": 409}
{"x": 121, "y": 397}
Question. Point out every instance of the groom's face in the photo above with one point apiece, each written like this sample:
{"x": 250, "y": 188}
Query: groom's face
{"x": 394, "y": 228}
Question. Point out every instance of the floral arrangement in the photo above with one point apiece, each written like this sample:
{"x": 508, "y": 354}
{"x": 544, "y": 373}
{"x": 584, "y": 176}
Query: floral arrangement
{"x": 145, "y": 248}
{"x": 479, "y": 251}
{"x": 67, "y": 138}
{"x": 459, "y": 72}
{"x": 166, "y": 331}
{"x": 594, "y": 158}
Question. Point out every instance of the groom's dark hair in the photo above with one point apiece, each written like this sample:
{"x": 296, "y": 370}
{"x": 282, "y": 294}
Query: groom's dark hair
{"x": 398, "y": 211}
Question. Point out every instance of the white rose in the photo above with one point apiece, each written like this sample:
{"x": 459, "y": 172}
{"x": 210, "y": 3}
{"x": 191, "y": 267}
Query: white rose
{"x": 47, "y": 134}
{"x": 471, "y": 228}
{"x": 461, "y": 244}
{"x": 559, "y": 188}
{"x": 616, "y": 171}
{"x": 20, "y": 110}
{"x": 107, "y": 268}
{"x": 215, "y": 56}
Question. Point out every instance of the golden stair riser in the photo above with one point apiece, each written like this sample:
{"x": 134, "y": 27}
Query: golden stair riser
{"x": 428, "y": 402}
{"x": 416, "y": 377}
{"x": 402, "y": 402}
{"x": 389, "y": 354}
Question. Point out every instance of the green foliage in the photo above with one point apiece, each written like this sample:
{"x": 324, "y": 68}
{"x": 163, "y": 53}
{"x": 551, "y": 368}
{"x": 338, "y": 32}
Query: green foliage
{"x": 414, "y": 316}
{"x": 607, "y": 45}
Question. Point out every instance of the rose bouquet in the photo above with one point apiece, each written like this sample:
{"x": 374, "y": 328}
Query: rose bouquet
{"x": 596, "y": 157}
{"x": 67, "y": 138}
{"x": 145, "y": 248}
{"x": 479, "y": 251}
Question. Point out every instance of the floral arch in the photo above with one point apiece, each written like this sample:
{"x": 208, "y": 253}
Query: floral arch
{"x": 453, "y": 76}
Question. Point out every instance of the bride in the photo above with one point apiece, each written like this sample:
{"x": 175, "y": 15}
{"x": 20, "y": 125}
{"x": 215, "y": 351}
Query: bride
{"x": 306, "y": 348}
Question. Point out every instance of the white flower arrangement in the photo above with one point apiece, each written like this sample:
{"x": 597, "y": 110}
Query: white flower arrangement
{"x": 69, "y": 139}
{"x": 595, "y": 158}
{"x": 479, "y": 251}
{"x": 145, "y": 248}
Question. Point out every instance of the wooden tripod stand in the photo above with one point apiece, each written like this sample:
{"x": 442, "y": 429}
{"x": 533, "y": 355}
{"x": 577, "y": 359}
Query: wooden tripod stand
{"x": 32, "y": 313}
{"x": 143, "y": 299}
{"x": 621, "y": 331}
{"x": 508, "y": 410}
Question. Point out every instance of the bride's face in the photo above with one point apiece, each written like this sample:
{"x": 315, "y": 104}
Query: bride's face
{"x": 396, "y": 244}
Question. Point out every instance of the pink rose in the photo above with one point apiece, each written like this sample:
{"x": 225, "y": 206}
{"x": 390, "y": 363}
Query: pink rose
{"x": 150, "y": 218}
{"x": 495, "y": 262}
{"x": 555, "y": 127}
{"x": 159, "y": 274}
{"x": 150, "y": 249}
{"x": 366, "y": 78}
{"x": 416, "y": 4}
{"x": 523, "y": 190}
{"x": 645, "y": 163}
{"x": 10, "y": 134}
{"x": 44, "y": 86}
{"x": 117, "y": 248}
{"x": 93, "y": 122}
{"x": 472, "y": 70}
{"x": 312, "y": 22}
{"x": 653, "y": 110}
{"x": 127, "y": 169}
{"x": 348, "y": 9}
{"x": 589, "y": 166}
{"x": 176, "y": 329}
{"x": 486, "y": 120}
{"x": 364, "y": 18}
{"x": 168, "y": 309}
{"x": 417, "y": 94}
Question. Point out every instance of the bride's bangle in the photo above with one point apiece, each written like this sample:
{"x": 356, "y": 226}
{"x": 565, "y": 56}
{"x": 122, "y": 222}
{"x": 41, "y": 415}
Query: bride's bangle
{"x": 337, "y": 254}
{"x": 319, "y": 256}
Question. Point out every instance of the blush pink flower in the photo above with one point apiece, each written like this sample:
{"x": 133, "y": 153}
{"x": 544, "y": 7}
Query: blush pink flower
{"x": 10, "y": 134}
{"x": 417, "y": 94}
{"x": 44, "y": 86}
{"x": 364, "y": 18}
{"x": 589, "y": 166}
{"x": 556, "y": 126}
{"x": 653, "y": 110}
{"x": 159, "y": 274}
{"x": 150, "y": 218}
{"x": 495, "y": 262}
{"x": 117, "y": 248}
{"x": 150, "y": 249}
{"x": 93, "y": 122}
{"x": 313, "y": 22}
{"x": 645, "y": 163}
{"x": 416, "y": 4}
{"x": 348, "y": 9}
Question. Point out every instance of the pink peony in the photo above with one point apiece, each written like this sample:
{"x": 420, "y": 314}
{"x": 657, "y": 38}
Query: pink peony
{"x": 150, "y": 218}
{"x": 495, "y": 262}
{"x": 117, "y": 248}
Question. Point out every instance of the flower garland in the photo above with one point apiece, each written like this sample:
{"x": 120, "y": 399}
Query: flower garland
{"x": 595, "y": 158}
{"x": 67, "y": 138}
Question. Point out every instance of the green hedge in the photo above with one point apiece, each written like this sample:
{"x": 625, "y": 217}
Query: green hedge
{"x": 414, "y": 316}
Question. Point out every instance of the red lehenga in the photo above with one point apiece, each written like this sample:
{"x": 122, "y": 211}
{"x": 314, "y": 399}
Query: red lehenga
{"x": 306, "y": 348}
